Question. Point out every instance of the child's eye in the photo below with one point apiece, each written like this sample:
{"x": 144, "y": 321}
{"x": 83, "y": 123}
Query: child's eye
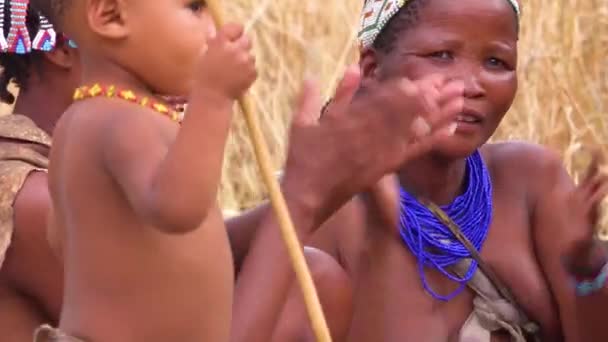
{"x": 441, "y": 55}
{"x": 197, "y": 6}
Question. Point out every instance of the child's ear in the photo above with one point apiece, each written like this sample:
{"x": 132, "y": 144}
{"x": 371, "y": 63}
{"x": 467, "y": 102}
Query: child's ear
{"x": 108, "y": 18}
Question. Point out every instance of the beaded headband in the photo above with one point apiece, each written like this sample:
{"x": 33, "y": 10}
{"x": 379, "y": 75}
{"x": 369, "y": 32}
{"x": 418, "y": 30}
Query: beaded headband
{"x": 377, "y": 13}
{"x": 18, "y": 40}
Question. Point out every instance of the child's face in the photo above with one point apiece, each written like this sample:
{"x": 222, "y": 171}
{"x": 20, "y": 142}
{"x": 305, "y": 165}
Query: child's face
{"x": 471, "y": 40}
{"x": 165, "y": 39}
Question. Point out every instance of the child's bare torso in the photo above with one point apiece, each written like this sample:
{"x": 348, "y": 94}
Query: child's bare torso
{"x": 126, "y": 281}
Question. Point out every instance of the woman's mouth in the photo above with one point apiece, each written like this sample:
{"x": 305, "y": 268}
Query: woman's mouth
{"x": 468, "y": 117}
{"x": 468, "y": 123}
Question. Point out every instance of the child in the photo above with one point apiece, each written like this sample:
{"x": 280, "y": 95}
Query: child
{"x": 144, "y": 235}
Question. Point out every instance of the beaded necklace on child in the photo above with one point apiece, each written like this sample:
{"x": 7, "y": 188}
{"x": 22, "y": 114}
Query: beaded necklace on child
{"x": 97, "y": 90}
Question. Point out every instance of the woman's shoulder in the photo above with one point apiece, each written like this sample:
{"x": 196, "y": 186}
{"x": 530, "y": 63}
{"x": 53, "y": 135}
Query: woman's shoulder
{"x": 522, "y": 165}
{"x": 23, "y": 168}
{"x": 18, "y": 159}
{"x": 526, "y": 154}
{"x": 18, "y": 180}
{"x": 21, "y": 128}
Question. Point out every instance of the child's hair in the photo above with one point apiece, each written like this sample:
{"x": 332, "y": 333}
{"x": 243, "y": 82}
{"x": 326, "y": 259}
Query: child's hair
{"x": 17, "y": 68}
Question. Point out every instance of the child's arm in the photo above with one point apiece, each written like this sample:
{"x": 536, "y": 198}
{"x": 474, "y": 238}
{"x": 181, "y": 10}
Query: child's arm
{"x": 172, "y": 185}
{"x": 169, "y": 185}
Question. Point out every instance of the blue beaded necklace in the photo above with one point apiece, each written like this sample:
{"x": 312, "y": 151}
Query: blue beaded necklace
{"x": 432, "y": 242}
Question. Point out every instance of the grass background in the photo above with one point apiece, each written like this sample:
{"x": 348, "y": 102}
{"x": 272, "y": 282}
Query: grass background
{"x": 563, "y": 70}
{"x": 562, "y": 102}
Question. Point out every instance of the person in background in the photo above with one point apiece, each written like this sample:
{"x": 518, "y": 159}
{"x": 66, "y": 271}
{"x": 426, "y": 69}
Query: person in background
{"x": 45, "y": 68}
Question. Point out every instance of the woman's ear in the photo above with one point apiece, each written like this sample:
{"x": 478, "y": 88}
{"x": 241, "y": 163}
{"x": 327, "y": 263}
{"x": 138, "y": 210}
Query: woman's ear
{"x": 62, "y": 56}
{"x": 369, "y": 64}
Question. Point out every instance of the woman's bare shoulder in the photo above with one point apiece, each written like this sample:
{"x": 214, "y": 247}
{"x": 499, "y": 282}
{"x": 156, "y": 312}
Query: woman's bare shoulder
{"x": 522, "y": 165}
{"x": 521, "y": 156}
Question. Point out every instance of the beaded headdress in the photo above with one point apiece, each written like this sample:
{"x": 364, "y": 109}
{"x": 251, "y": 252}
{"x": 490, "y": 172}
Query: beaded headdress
{"x": 18, "y": 40}
{"x": 377, "y": 13}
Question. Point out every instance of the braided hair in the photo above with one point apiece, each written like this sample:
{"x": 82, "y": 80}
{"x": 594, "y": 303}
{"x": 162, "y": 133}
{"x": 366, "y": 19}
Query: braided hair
{"x": 54, "y": 9}
{"x": 17, "y": 68}
{"x": 406, "y": 18}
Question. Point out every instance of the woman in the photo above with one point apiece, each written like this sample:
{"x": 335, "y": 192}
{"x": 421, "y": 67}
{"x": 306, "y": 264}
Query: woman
{"x": 513, "y": 202}
{"x": 46, "y": 71}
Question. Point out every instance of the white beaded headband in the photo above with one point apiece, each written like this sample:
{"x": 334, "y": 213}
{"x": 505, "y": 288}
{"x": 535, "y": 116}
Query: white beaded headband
{"x": 18, "y": 40}
{"x": 377, "y": 13}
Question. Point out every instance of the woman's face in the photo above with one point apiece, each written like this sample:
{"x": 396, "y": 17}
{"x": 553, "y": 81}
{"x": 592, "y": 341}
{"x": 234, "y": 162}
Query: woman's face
{"x": 471, "y": 40}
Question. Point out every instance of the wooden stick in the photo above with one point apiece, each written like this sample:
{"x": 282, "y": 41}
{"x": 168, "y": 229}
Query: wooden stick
{"x": 294, "y": 248}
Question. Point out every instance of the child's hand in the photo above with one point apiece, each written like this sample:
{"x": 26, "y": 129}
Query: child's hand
{"x": 227, "y": 67}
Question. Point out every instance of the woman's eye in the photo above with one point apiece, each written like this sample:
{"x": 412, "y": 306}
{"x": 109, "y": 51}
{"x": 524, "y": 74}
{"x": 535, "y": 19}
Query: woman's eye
{"x": 441, "y": 55}
{"x": 497, "y": 63}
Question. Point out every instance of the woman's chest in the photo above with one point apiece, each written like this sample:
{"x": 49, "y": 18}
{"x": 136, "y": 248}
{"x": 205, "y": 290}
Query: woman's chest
{"x": 510, "y": 251}
{"x": 392, "y": 283}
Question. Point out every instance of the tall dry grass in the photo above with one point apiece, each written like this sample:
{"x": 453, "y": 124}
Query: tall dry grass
{"x": 562, "y": 102}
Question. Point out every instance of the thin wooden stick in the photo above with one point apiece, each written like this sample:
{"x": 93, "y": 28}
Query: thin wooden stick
{"x": 294, "y": 248}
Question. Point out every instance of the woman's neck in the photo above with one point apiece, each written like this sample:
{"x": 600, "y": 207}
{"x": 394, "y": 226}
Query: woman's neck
{"x": 436, "y": 178}
{"x": 41, "y": 107}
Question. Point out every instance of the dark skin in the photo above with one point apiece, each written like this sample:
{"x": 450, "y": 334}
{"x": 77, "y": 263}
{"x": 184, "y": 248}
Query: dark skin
{"x": 31, "y": 277}
{"x": 30, "y": 247}
{"x": 141, "y": 162}
{"x": 538, "y": 211}
{"x": 304, "y": 178}
{"x": 353, "y": 219}
{"x": 579, "y": 253}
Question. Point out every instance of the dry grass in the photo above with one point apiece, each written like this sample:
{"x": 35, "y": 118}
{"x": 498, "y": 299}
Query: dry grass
{"x": 562, "y": 102}
{"x": 563, "y": 98}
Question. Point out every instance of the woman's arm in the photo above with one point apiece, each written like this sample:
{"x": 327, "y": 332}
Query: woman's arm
{"x": 562, "y": 226}
{"x": 31, "y": 265}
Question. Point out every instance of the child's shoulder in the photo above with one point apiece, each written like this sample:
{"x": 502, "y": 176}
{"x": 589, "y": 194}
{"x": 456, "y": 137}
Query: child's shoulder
{"x": 115, "y": 115}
